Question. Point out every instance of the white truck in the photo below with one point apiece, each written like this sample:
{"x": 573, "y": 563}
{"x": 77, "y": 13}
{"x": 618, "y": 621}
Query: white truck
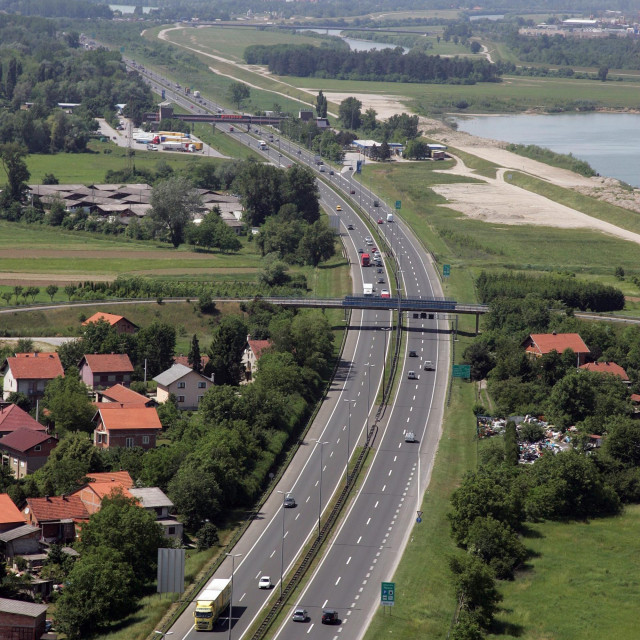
{"x": 367, "y": 289}
{"x": 196, "y": 94}
{"x": 389, "y": 217}
{"x": 211, "y": 603}
{"x": 262, "y": 145}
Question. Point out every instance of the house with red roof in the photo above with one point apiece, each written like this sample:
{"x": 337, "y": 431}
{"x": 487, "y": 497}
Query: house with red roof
{"x": 93, "y": 493}
{"x": 539, "y": 344}
{"x": 121, "y": 324}
{"x": 29, "y": 373}
{"x": 252, "y": 352}
{"x": 26, "y": 450}
{"x": 102, "y": 370}
{"x": 10, "y": 516}
{"x": 607, "y": 367}
{"x": 124, "y": 395}
{"x": 122, "y": 425}
{"x": 12, "y": 417}
{"x": 184, "y": 360}
{"x": 58, "y": 517}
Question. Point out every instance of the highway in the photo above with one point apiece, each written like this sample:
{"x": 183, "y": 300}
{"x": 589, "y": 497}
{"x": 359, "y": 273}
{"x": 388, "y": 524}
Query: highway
{"x": 369, "y": 542}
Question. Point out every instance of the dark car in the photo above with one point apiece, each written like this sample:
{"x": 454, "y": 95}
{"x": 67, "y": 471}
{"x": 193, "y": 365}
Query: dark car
{"x": 360, "y": 250}
{"x": 330, "y": 616}
{"x": 380, "y": 270}
{"x": 331, "y": 172}
{"x": 289, "y": 502}
{"x": 376, "y": 203}
{"x": 350, "y": 227}
{"x": 352, "y": 191}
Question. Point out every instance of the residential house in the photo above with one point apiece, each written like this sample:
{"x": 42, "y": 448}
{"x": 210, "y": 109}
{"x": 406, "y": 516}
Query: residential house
{"x": 121, "y": 324}
{"x": 121, "y": 425}
{"x": 539, "y": 344}
{"x": 124, "y": 395}
{"x": 253, "y": 350}
{"x": 23, "y": 540}
{"x": 93, "y": 493}
{"x": 10, "y": 516}
{"x": 26, "y": 450}
{"x": 185, "y": 361}
{"x": 21, "y": 620}
{"x": 607, "y": 367}
{"x": 12, "y": 417}
{"x": 102, "y": 370}
{"x": 154, "y": 499}
{"x": 122, "y": 477}
{"x": 29, "y": 373}
{"x": 188, "y": 386}
{"x": 57, "y": 517}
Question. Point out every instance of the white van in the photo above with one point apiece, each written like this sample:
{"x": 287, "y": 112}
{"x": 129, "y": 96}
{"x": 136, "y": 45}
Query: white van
{"x": 389, "y": 217}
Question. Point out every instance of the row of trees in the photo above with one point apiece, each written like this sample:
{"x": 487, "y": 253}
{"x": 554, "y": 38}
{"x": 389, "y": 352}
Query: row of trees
{"x": 391, "y": 65}
{"x": 577, "y": 294}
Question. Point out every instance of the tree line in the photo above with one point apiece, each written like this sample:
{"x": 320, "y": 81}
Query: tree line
{"x": 390, "y": 65}
{"x": 577, "y": 294}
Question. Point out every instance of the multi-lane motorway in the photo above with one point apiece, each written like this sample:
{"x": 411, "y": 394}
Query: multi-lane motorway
{"x": 377, "y": 525}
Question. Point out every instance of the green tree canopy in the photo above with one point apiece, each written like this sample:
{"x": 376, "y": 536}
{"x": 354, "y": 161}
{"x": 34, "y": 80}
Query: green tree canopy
{"x": 68, "y": 402}
{"x": 226, "y": 349}
{"x": 349, "y": 111}
{"x": 174, "y": 201}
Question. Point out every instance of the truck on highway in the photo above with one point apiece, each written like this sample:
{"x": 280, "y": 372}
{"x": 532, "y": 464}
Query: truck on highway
{"x": 262, "y": 145}
{"x": 365, "y": 259}
{"x": 389, "y": 217}
{"x": 211, "y": 603}
{"x": 196, "y": 94}
{"x": 367, "y": 289}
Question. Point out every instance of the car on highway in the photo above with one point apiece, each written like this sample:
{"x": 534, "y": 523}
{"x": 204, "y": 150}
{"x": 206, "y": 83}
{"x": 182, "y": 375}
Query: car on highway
{"x": 350, "y": 227}
{"x": 230, "y": 128}
{"x": 380, "y": 221}
{"x": 360, "y": 250}
{"x": 411, "y": 375}
{"x": 409, "y": 436}
{"x": 380, "y": 280}
{"x": 352, "y": 191}
{"x": 380, "y": 270}
{"x": 376, "y": 203}
{"x": 338, "y": 208}
{"x": 300, "y": 615}
{"x": 331, "y": 172}
{"x": 289, "y": 501}
{"x": 428, "y": 366}
{"x": 330, "y": 616}
{"x": 385, "y": 293}
{"x": 264, "y": 582}
{"x": 413, "y": 354}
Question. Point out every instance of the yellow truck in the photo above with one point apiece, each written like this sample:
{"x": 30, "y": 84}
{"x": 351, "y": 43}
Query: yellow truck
{"x": 211, "y": 603}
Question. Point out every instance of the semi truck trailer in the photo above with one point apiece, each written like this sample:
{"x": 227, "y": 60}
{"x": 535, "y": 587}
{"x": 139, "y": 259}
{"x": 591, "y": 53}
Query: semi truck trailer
{"x": 211, "y": 603}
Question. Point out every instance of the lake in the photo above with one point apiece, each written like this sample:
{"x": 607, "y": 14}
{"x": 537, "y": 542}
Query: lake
{"x": 354, "y": 43}
{"x": 609, "y": 142}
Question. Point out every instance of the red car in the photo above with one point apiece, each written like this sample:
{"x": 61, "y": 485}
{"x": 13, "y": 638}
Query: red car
{"x": 380, "y": 221}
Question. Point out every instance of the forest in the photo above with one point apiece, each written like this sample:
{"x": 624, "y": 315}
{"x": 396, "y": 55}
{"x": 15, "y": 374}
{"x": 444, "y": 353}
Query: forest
{"x": 390, "y": 65}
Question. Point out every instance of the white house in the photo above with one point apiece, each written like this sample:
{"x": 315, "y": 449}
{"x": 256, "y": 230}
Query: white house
{"x": 186, "y": 384}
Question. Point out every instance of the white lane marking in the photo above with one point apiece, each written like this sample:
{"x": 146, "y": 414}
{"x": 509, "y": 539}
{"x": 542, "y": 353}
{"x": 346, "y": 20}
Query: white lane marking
{"x": 257, "y": 575}
{"x": 285, "y": 535}
{"x": 385, "y": 486}
{"x": 368, "y": 521}
{"x": 338, "y": 580}
{"x": 325, "y": 604}
{"x": 271, "y": 556}
{"x": 242, "y": 596}
{"x": 309, "y": 629}
{"x": 360, "y": 538}
{"x": 297, "y": 516}
{"x": 390, "y": 471}
{"x": 308, "y": 498}
{"x": 395, "y": 458}
{"x": 375, "y": 506}
{"x": 317, "y": 482}
{"x": 349, "y": 560}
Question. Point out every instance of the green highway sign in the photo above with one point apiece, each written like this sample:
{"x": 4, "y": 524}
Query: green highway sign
{"x": 462, "y": 371}
{"x": 446, "y": 270}
{"x": 398, "y": 205}
{"x": 388, "y": 594}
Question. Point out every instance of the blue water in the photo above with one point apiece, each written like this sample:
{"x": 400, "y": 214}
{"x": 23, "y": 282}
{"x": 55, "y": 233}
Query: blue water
{"x": 609, "y": 142}
{"x": 354, "y": 43}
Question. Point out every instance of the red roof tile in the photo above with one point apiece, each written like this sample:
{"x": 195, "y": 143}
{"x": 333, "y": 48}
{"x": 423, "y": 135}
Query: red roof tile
{"x": 635, "y": 397}
{"x": 107, "y": 317}
{"x": 120, "y": 393}
{"x": 23, "y": 439}
{"x": 258, "y": 346}
{"x": 117, "y": 416}
{"x": 35, "y": 366}
{"x": 108, "y": 362}
{"x": 9, "y": 512}
{"x": 606, "y": 367}
{"x": 547, "y": 342}
{"x": 185, "y": 360}
{"x": 117, "y": 477}
{"x": 12, "y": 417}
{"x": 57, "y": 508}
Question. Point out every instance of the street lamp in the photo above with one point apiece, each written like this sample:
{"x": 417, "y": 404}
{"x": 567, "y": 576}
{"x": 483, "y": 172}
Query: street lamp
{"x": 233, "y": 557}
{"x": 348, "y": 440}
{"x": 284, "y": 495}
{"x": 320, "y": 494}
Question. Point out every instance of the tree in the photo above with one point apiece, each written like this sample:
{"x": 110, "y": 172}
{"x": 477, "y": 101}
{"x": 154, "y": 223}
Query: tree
{"x": 603, "y": 72}
{"x": 475, "y": 46}
{"x": 101, "y": 588}
{"x": 496, "y": 545}
{"x": 225, "y": 352}
{"x": 349, "y": 112}
{"x": 369, "y": 122}
{"x": 475, "y": 588}
{"x": 32, "y": 292}
{"x": 49, "y": 178}
{"x": 300, "y": 188}
{"x": 207, "y": 536}
{"x": 623, "y": 441}
{"x": 156, "y": 344}
{"x": 312, "y": 340}
{"x": 317, "y": 243}
{"x": 6, "y": 296}
{"x": 51, "y": 290}
{"x": 67, "y": 400}
{"x": 20, "y": 400}
{"x": 12, "y": 158}
{"x": 416, "y": 150}
{"x": 321, "y": 105}
{"x": 122, "y": 525}
{"x": 511, "y": 451}
{"x": 238, "y": 92}
{"x": 196, "y": 494}
{"x": 17, "y": 291}
{"x": 173, "y": 203}
{"x": 193, "y": 358}
{"x": 385, "y": 152}
{"x": 480, "y": 358}
{"x": 69, "y": 289}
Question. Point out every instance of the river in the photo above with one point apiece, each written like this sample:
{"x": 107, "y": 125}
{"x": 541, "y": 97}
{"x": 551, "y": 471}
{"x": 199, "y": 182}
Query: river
{"x": 354, "y": 43}
{"x": 609, "y": 142}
